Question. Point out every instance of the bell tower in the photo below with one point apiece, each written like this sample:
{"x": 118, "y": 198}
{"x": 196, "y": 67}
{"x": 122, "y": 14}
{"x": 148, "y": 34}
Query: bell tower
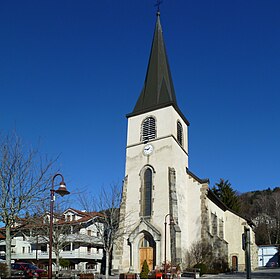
{"x": 156, "y": 158}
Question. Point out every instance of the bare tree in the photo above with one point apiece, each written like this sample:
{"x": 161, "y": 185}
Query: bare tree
{"x": 202, "y": 253}
{"x": 39, "y": 226}
{"x": 263, "y": 207}
{"x": 24, "y": 177}
{"x": 199, "y": 252}
{"x": 109, "y": 224}
{"x": 275, "y": 201}
{"x": 265, "y": 225}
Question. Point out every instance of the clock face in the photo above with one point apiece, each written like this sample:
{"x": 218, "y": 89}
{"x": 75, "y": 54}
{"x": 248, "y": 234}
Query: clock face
{"x": 148, "y": 149}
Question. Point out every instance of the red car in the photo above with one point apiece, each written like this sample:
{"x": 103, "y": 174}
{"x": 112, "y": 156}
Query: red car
{"x": 30, "y": 270}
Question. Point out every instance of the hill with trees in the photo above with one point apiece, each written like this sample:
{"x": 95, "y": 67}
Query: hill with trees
{"x": 262, "y": 207}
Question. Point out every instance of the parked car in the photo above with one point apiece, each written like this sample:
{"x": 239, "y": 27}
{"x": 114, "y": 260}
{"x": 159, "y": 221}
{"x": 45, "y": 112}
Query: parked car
{"x": 271, "y": 264}
{"x": 15, "y": 274}
{"x": 30, "y": 270}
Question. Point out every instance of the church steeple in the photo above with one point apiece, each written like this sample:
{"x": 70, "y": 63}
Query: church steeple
{"x": 158, "y": 90}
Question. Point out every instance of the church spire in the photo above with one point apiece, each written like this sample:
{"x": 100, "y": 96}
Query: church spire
{"x": 158, "y": 90}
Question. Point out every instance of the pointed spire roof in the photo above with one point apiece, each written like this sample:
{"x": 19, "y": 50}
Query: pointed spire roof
{"x": 158, "y": 90}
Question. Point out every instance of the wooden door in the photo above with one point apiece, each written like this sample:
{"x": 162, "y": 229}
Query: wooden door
{"x": 234, "y": 263}
{"x": 146, "y": 254}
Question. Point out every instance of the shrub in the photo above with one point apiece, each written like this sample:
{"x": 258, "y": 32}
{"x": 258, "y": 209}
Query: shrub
{"x": 202, "y": 267}
{"x": 64, "y": 262}
{"x": 3, "y": 270}
{"x": 220, "y": 265}
{"x": 145, "y": 271}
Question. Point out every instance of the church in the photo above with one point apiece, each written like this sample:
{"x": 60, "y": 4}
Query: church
{"x": 165, "y": 207}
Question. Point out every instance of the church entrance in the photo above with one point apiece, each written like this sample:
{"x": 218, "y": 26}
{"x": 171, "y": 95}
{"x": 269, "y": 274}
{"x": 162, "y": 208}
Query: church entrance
{"x": 147, "y": 251}
{"x": 146, "y": 254}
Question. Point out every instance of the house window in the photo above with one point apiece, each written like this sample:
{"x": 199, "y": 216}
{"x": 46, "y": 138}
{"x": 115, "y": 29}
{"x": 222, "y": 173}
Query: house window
{"x": 91, "y": 266}
{"x": 180, "y": 133}
{"x": 76, "y": 246}
{"x": 89, "y": 232}
{"x": 148, "y": 131}
{"x": 44, "y": 248}
{"x": 88, "y": 249}
{"x": 147, "y": 193}
{"x": 23, "y": 250}
{"x": 67, "y": 248}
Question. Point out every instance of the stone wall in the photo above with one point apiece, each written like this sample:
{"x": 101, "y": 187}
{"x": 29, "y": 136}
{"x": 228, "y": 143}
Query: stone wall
{"x": 175, "y": 231}
{"x": 118, "y": 247}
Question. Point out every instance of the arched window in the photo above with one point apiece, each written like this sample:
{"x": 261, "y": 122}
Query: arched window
{"x": 180, "y": 133}
{"x": 148, "y": 129}
{"x": 144, "y": 243}
{"x": 147, "y": 193}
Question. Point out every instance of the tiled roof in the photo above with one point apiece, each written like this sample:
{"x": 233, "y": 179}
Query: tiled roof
{"x": 84, "y": 216}
{"x": 25, "y": 223}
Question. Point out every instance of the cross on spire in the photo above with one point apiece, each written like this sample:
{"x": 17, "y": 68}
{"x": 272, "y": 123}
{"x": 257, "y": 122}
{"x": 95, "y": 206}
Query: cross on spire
{"x": 158, "y": 6}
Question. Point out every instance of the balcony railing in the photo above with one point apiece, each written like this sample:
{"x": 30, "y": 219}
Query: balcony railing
{"x": 64, "y": 254}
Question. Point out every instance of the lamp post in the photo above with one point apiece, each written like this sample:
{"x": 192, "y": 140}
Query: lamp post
{"x": 61, "y": 191}
{"x": 171, "y": 220}
{"x": 247, "y": 252}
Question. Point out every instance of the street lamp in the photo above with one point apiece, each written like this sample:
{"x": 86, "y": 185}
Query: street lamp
{"x": 61, "y": 191}
{"x": 171, "y": 222}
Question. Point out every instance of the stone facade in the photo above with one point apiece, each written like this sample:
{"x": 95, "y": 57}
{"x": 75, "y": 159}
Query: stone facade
{"x": 175, "y": 231}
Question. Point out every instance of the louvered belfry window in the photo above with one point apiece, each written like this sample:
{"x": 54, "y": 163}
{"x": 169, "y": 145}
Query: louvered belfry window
{"x": 148, "y": 129}
{"x": 180, "y": 133}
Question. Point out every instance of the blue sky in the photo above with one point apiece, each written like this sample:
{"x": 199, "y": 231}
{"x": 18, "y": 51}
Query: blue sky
{"x": 71, "y": 70}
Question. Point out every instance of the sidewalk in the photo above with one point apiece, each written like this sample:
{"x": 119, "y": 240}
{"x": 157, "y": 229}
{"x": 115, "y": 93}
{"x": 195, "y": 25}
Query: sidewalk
{"x": 267, "y": 273}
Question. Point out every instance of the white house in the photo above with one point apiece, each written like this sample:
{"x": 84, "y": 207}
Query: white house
{"x": 159, "y": 185}
{"x": 265, "y": 219}
{"x": 268, "y": 255}
{"x": 79, "y": 234}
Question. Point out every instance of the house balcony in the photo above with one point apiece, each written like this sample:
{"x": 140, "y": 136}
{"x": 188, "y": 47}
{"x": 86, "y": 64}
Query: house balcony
{"x": 64, "y": 255}
{"x": 3, "y": 242}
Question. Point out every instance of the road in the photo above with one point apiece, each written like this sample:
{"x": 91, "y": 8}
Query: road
{"x": 269, "y": 273}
